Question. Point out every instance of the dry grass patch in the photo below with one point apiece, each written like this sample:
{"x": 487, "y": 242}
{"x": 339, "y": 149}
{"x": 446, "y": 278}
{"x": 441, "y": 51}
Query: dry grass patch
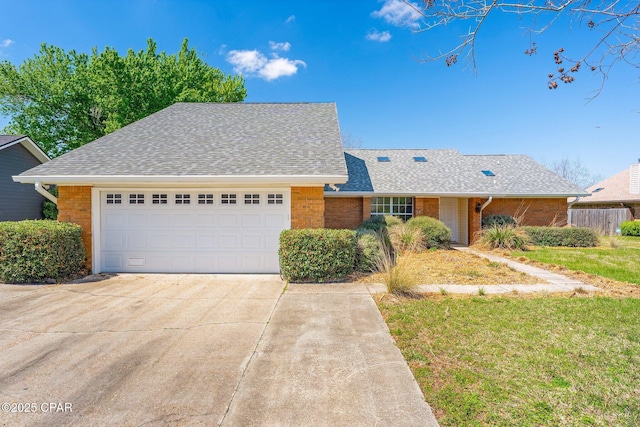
{"x": 451, "y": 267}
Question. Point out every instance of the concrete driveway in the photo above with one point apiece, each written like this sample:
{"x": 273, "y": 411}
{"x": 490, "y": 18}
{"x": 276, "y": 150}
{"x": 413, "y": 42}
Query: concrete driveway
{"x": 231, "y": 350}
{"x": 130, "y": 350}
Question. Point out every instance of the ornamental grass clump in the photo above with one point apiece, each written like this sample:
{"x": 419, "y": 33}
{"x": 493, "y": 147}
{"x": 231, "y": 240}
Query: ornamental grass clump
{"x": 399, "y": 274}
{"x": 504, "y": 237}
{"x": 406, "y": 239}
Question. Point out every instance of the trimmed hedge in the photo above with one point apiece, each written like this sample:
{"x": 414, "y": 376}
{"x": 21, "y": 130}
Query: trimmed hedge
{"x": 498, "y": 219}
{"x": 578, "y": 237}
{"x": 317, "y": 255}
{"x": 34, "y": 251}
{"x": 630, "y": 228}
{"x": 437, "y": 235}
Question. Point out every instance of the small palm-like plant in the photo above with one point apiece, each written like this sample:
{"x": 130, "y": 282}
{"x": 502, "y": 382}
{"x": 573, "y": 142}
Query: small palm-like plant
{"x": 406, "y": 239}
{"x": 504, "y": 237}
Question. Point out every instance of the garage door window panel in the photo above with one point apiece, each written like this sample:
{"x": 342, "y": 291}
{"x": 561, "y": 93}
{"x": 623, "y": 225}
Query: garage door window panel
{"x": 159, "y": 199}
{"x": 205, "y": 199}
{"x": 228, "y": 199}
{"x": 251, "y": 199}
{"x": 183, "y": 199}
{"x": 114, "y": 199}
{"x": 136, "y": 199}
{"x": 275, "y": 199}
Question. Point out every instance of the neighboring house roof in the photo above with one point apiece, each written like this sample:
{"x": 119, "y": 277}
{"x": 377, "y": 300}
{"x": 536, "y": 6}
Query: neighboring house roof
{"x": 614, "y": 189}
{"x": 447, "y": 172}
{"x": 7, "y": 141}
{"x": 211, "y": 142}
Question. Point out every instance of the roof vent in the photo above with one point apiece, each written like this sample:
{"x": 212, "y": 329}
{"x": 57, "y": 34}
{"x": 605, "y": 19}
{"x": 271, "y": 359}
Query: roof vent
{"x": 598, "y": 189}
{"x": 488, "y": 173}
{"x": 420, "y": 159}
{"x": 384, "y": 159}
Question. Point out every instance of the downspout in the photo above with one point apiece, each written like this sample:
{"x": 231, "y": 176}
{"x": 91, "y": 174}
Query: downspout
{"x": 484, "y": 205}
{"x": 42, "y": 190}
{"x": 574, "y": 202}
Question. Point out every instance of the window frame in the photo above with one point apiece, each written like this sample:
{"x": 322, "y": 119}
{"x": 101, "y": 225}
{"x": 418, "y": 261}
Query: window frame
{"x": 398, "y": 206}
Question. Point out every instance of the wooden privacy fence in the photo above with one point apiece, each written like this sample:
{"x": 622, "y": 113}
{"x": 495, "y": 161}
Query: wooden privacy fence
{"x": 606, "y": 221}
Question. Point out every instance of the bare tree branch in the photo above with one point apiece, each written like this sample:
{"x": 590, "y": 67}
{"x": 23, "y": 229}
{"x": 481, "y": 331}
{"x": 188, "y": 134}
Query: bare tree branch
{"x": 618, "y": 22}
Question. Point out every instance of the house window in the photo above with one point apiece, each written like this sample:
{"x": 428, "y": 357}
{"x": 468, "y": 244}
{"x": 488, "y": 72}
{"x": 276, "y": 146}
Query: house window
{"x": 136, "y": 199}
{"x": 159, "y": 199}
{"x": 183, "y": 199}
{"x": 251, "y": 199}
{"x": 205, "y": 199}
{"x": 228, "y": 199}
{"x": 401, "y": 207}
{"x": 275, "y": 199}
{"x": 114, "y": 199}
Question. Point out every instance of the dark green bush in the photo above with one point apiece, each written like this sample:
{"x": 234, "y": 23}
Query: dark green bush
{"x": 630, "y": 228}
{"x": 34, "y": 251}
{"x": 369, "y": 250}
{"x": 499, "y": 219}
{"x": 436, "y": 234}
{"x": 578, "y": 237}
{"x": 378, "y": 222}
{"x": 50, "y": 209}
{"x": 317, "y": 255}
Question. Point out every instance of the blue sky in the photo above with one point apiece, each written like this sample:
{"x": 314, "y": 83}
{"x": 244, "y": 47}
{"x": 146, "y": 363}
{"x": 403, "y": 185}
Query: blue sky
{"x": 361, "y": 56}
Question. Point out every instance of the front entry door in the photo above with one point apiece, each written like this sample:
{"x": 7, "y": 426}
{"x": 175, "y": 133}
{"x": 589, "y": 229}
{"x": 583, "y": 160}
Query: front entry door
{"x": 449, "y": 215}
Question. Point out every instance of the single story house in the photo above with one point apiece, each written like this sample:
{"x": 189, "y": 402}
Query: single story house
{"x": 207, "y": 187}
{"x": 17, "y": 154}
{"x": 622, "y": 190}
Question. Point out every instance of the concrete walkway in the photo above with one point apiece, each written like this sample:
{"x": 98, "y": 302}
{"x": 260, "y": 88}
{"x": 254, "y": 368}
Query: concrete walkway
{"x": 326, "y": 358}
{"x": 554, "y": 282}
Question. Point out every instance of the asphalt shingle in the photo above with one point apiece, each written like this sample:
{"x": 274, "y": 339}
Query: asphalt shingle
{"x": 203, "y": 139}
{"x": 446, "y": 171}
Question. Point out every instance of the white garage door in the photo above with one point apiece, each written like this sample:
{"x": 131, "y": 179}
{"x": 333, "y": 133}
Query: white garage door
{"x": 199, "y": 231}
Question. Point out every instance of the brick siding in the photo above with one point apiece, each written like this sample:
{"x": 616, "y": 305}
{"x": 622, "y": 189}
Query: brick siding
{"x": 344, "y": 212}
{"x": 427, "y": 207}
{"x": 74, "y": 205}
{"x": 307, "y": 207}
{"x": 542, "y": 211}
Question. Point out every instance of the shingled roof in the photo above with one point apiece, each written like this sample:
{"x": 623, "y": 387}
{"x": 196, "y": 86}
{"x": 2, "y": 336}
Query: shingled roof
{"x": 447, "y": 172}
{"x": 204, "y": 142}
{"x": 614, "y": 189}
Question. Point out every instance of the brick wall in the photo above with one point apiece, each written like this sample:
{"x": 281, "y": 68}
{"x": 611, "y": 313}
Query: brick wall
{"x": 344, "y": 212}
{"x": 473, "y": 217}
{"x": 427, "y": 207}
{"x": 307, "y": 207}
{"x": 74, "y": 205}
{"x": 542, "y": 211}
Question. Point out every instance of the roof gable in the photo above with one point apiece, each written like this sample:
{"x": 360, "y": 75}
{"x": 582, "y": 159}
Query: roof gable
{"x": 7, "y": 141}
{"x": 213, "y": 140}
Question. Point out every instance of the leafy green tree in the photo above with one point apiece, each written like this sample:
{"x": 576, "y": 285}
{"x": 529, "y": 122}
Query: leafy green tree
{"x": 64, "y": 100}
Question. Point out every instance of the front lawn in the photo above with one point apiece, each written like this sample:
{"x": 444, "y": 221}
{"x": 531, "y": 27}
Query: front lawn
{"x": 523, "y": 361}
{"x": 617, "y": 260}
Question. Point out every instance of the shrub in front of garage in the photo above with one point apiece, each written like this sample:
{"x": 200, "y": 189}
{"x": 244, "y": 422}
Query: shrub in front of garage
{"x": 37, "y": 251}
{"x": 317, "y": 255}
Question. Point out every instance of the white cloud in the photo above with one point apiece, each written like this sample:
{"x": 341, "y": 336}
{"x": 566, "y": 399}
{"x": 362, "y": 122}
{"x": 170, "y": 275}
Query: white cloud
{"x": 290, "y": 19}
{"x": 6, "y": 43}
{"x": 397, "y": 12}
{"x": 280, "y": 46}
{"x": 254, "y": 63}
{"x": 379, "y": 36}
{"x": 223, "y": 49}
{"x": 279, "y": 67}
{"x": 246, "y": 61}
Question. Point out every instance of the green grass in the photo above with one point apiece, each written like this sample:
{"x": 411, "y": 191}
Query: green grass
{"x": 619, "y": 263}
{"x": 523, "y": 362}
